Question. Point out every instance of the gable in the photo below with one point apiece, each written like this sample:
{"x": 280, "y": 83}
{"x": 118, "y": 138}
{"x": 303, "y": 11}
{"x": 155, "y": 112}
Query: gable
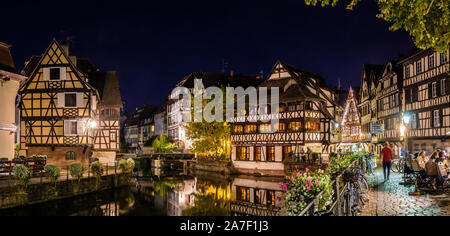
{"x": 279, "y": 72}
{"x": 54, "y": 59}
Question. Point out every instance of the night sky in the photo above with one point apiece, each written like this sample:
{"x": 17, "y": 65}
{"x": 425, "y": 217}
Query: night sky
{"x": 154, "y": 44}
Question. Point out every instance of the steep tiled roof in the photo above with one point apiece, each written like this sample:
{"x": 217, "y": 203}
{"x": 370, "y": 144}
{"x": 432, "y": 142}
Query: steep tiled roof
{"x": 6, "y": 61}
{"x": 107, "y": 85}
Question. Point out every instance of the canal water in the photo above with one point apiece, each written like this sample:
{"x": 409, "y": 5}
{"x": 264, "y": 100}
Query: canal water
{"x": 171, "y": 193}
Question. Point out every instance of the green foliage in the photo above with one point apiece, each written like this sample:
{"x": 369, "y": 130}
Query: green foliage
{"x": 209, "y": 138}
{"x": 52, "y": 172}
{"x": 97, "y": 169}
{"x": 339, "y": 164}
{"x": 208, "y": 205}
{"x": 427, "y": 21}
{"x": 304, "y": 188}
{"x": 22, "y": 173}
{"x": 162, "y": 145}
{"x": 127, "y": 166}
{"x": 77, "y": 170}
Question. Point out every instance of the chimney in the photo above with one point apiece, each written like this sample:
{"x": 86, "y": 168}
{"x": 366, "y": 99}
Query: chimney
{"x": 232, "y": 73}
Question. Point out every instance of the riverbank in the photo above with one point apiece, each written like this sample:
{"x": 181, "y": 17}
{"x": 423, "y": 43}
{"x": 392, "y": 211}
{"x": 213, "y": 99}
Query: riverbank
{"x": 36, "y": 193}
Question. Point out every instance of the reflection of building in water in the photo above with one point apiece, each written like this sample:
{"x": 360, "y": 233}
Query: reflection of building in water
{"x": 256, "y": 197}
{"x": 181, "y": 197}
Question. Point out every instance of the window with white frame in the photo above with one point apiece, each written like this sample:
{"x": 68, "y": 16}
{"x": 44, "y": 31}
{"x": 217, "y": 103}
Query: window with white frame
{"x": 54, "y": 73}
{"x": 71, "y": 128}
{"x": 407, "y": 72}
{"x": 437, "y": 119}
{"x": 418, "y": 67}
{"x": 434, "y": 90}
{"x": 431, "y": 61}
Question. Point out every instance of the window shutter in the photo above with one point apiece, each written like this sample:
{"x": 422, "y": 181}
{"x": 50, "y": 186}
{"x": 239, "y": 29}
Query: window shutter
{"x": 447, "y": 86}
{"x": 66, "y": 128}
{"x": 46, "y": 74}
{"x": 62, "y": 72}
{"x": 80, "y": 100}
{"x": 430, "y": 90}
{"x": 80, "y": 127}
{"x": 61, "y": 100}
{"x": 438, "y": 89}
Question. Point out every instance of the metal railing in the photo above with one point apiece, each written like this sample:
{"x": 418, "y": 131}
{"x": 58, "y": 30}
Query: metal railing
{"x": 336, "y": 208}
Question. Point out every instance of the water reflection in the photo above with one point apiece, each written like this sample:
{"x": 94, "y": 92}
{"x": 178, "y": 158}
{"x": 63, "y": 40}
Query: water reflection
{"x": 173, "y": 194}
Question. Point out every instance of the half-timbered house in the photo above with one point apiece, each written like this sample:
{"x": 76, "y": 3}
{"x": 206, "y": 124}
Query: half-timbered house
{"x": 368, "y": 105}
{"x": 306, "y": 116}
{"x": 389, "y": 107}
{"x": 351, "y": 122}
{"x": 427, "y": 100}
{"x": 176, "y": 125}
{"x": 69, "y": 109}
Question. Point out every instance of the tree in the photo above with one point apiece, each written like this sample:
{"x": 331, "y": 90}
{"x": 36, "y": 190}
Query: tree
{"x": 162, "y": 145}
{"x": 427, "y": 21}
{"x": 210, "y": 138}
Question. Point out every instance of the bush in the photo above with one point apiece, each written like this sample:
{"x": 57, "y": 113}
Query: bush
{"x": 53, "y": 172}
{"x": 97, "y": 169}
{"x": 127, "y": 166}
{"x": 76, "y": 170}
{"x": 22, "y": 173}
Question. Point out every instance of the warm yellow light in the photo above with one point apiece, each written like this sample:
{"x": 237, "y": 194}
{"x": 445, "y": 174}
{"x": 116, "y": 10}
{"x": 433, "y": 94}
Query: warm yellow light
{"x": 93, "y": 124}
{"x": 402, "y": 130}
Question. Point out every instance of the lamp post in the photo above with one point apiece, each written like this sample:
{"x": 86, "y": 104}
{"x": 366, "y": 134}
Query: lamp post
{"x": 404, "y": 129}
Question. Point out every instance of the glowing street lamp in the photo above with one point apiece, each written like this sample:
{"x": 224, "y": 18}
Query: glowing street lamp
{"x": 406, "y": 119}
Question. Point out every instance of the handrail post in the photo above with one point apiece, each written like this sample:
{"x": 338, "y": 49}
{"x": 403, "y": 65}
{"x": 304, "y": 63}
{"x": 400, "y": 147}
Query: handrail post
{"x": 338, "y": 197}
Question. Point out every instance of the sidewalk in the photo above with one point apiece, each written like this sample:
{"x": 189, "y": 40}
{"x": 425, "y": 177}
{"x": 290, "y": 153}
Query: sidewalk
{"x": 392, "y": 199}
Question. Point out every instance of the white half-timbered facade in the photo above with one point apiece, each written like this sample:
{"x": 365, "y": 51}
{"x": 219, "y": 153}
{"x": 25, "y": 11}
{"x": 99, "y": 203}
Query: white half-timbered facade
{"x": 427, "y": 100}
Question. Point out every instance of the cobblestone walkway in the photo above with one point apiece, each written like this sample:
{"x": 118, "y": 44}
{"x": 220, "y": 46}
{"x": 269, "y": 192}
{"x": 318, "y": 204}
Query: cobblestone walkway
{"x": 392, "y": 199}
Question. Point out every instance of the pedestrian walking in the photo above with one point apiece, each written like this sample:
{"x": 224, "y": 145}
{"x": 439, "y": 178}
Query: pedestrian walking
{"x": 386, "y": 156}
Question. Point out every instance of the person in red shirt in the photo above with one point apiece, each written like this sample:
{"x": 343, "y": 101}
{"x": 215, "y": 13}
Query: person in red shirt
{"x": 386, "y": 155}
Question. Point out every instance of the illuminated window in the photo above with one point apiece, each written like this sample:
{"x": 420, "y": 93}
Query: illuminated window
{"x": 258, "y": 197}
{"x": 265, "y": 128}
{"x": 113, "y": 136}
{"x": 250, "y": 129}
{"x": 295, "y": 126}
{"x": 243, "y": 194}
{"x": 243, "y": 153}
{"x": 257, "y": 153}
{"x": 271, "y": 198}
{"x": 271, "y": 153}
{"x": 286, "y": 151}
{"x": 238, "y": 129}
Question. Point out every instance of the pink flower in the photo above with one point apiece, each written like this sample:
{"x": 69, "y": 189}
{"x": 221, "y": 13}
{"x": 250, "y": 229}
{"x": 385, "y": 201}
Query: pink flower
{"x": 298, "y": 174}
{"x": 317, "y": 182}
{"x": 285, "y": 187}
{"x": 305, "y": 183}
{"x": 292, "y": 178}
{"x": 307, "y": 170}
{"x": 309, "y": 189}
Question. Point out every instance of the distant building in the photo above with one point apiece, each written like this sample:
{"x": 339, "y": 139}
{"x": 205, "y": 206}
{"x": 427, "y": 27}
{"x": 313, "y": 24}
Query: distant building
{"x": 10, "y": 81}
{"x": 139, "y": 127}
{"x": 389, "y": 106}
{"x": 161, "y": 121}
{"x": 70, "y": 109}
{"x": 351, "y": 122}
{"x": 175, "y": 124}
{"x": 426, "y": 83}
{"x": 368, "y": 104}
